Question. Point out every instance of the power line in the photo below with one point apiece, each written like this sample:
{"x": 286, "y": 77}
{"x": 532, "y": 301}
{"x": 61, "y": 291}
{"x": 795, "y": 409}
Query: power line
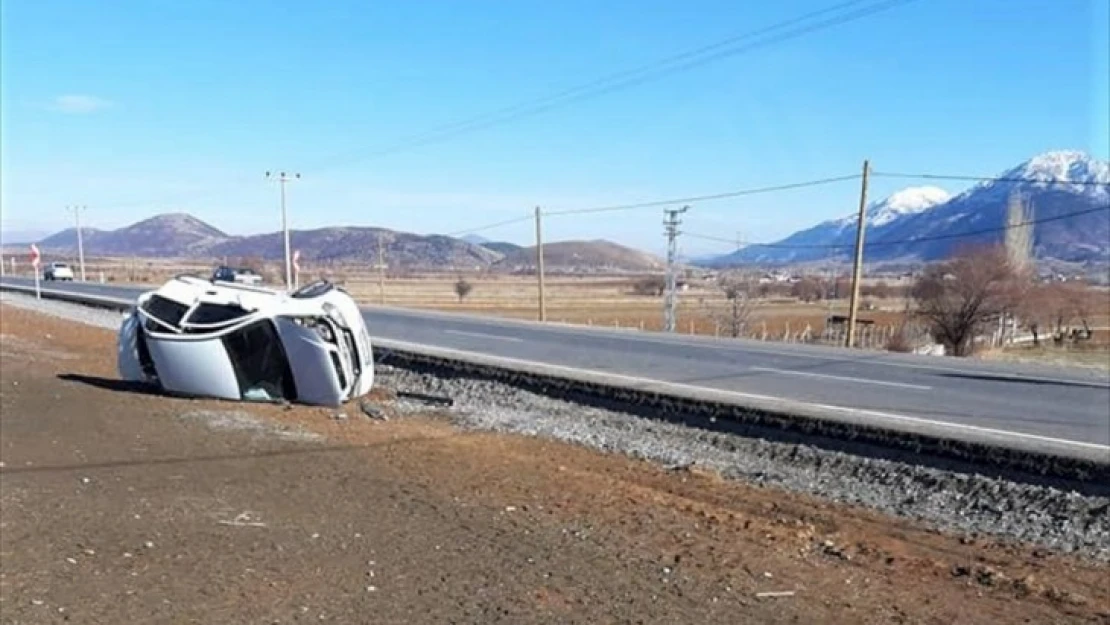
{"x": 1092, "y": 183}
{"x": 629, "y": 78}
{"x": 705, "y": 198}
{"x": 785, "y": 30}
{"x": 496, "y": 224}
{"x": 910, "y": 240}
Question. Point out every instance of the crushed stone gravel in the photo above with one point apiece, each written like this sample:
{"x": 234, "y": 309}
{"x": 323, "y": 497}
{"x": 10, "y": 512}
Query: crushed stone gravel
{"x": 946, "y": 500}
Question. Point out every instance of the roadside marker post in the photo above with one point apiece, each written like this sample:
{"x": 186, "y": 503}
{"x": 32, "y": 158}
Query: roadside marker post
{"x": 35, "y": 268}
{"x": 296, "y": 268}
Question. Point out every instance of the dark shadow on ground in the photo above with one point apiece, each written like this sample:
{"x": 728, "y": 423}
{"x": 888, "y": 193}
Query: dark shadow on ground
{"x": 109, "y": 384}
{"x": 987, "y": 377}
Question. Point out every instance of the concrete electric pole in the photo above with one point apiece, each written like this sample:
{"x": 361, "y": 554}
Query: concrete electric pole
{"x": 670, "y": 302}
{"x": 80, "y": 240}
{"x": 857, "y": 268}
{"x": 282, "y": 178}
{"x": 381, "y": 266}
{"x": 539, "y": 265}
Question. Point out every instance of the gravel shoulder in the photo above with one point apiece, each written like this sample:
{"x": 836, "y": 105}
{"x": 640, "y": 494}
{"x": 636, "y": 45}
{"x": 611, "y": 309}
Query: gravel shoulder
{"x": 120, "y": 506}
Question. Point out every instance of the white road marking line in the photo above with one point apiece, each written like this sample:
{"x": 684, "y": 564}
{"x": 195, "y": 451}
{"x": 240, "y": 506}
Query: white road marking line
{"x": 657, "y": 385}
{"x": 841, "y": 378}
{"x": 710, "y": 343}
{"x": 483, "y": 335}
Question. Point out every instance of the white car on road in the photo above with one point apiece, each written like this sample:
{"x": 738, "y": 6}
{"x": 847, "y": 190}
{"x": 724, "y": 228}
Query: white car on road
{"x": 57, "y": 271}
{"x": 196, "y": 337}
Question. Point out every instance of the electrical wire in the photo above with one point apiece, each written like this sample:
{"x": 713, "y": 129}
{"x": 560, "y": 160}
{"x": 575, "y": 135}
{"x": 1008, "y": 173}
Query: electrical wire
{"x": 964, "y": 178}
{"x": 704, "y": 198}
{"x": 910, "y": 240}
{"x": 491, "y": 226}
{"x": 630, "y": 78}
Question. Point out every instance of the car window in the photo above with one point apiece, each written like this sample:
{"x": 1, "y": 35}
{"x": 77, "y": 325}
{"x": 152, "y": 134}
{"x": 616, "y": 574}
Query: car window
{"x": 166, "y": 310}
{"x": 216, "y": 313}
{"x": 260, "y": 364}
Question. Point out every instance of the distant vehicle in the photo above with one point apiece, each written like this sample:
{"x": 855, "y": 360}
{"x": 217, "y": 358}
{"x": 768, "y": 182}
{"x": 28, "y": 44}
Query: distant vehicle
{"x": 242, "y": 275}
{"x": 198, "y": 338}
{"x": 57, "y": 271}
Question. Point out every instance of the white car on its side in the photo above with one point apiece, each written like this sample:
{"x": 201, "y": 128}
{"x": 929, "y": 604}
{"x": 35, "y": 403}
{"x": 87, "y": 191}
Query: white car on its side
{"x": 201, "y": 338}
{"x": 57, "y": 271}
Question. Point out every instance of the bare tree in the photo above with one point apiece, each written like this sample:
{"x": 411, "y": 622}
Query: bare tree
{"x": 463, "y": 288}
{"x": 651, "y": 285}
{"x": 741, "y": 293}
{"x": 958, "y": 298}
{"x": 807, "y": 289}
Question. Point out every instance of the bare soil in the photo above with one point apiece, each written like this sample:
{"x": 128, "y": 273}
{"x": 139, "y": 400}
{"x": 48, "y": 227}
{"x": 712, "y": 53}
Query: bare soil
{"x": 118, "y": 506}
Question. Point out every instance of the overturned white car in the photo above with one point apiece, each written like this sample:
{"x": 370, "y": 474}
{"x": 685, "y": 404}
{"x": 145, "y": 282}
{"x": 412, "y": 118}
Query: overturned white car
{"x": 201, "y": 338}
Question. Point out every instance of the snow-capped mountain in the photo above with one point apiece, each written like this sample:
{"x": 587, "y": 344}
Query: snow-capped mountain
{"x": 925, "y": 223}
{"x": 908, "y": 201}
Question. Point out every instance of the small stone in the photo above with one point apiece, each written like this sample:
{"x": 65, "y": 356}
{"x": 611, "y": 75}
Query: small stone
{"x": 148, "y": 545}
{"x": 339, "y": 416}
{"x": 90, "y": 552}
{"x": 371, "y": 588}
{"x": 85, "y": 480}
{"x": 372, "y": 410}
{"x": 71, "y": 560}
{"x": 36, "y": 601}
{"x": 127, "y": 554}
{"x": 510, "y": 508}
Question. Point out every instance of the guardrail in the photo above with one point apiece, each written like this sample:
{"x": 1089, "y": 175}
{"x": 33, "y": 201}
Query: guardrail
{"x": 1079, "y": 466}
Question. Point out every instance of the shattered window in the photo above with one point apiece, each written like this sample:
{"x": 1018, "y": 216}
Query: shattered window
{"x": 166, "y": 310}
{"x": 216, "y": 313}
{"x": 260, "y": 364}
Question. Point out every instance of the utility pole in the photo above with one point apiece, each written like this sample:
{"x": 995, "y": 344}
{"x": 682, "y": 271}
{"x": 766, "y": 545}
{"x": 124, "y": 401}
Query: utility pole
{"x": 671, "y": 223}
{"x": 80, "y": 241}
{"x": 381, "y": 266}
{"x": 857, "y": 268}
{"x": 539, "y": 264}
{"x": 282, "y": 178}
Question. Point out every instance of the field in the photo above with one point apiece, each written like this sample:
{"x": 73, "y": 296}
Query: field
{"x": 612, "y": 301}
{"x": 171, "y": 510}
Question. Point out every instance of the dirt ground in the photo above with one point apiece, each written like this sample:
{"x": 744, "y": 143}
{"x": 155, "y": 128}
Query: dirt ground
{"x": 118, "y": 506}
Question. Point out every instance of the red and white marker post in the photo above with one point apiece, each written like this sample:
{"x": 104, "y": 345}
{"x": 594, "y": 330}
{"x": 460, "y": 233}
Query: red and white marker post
{"x": 296, "y": 268}
{"x": 35, "y": 256}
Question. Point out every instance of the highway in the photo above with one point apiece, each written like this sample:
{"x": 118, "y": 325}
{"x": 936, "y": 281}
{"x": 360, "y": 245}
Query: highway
{"x": 1028, "y": 401}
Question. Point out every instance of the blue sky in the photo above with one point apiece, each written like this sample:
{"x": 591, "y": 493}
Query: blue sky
{"x": 136, "y": 108}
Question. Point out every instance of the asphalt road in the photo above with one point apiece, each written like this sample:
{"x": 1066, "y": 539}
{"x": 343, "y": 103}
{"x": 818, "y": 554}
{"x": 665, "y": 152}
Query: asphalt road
{"x": 1030, "y": 401}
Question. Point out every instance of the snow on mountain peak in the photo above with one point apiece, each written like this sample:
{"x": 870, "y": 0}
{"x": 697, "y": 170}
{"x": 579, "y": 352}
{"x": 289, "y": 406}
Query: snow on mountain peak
{"x": 1070, "y": 165}
{"x": 906, "y": 202}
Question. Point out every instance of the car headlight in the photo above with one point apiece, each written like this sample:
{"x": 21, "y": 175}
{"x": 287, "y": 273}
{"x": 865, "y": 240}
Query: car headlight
{"x": 333, "y": 313}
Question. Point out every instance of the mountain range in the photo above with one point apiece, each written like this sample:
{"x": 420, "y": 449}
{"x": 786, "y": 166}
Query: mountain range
{"x": 179, "y": 235}
{"x": 1067, "y": 192}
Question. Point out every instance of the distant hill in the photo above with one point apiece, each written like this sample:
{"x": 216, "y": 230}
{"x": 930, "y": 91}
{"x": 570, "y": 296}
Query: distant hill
{"x": 581, "y": 257}
{"x": 351, "y": 244}
{"x": 171, "y": 234}
{"x": 184, "y": 236}
{"x": 20, "y": 237}
{"x": 501, "y": 247}
{"x": 925, "y": 224}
